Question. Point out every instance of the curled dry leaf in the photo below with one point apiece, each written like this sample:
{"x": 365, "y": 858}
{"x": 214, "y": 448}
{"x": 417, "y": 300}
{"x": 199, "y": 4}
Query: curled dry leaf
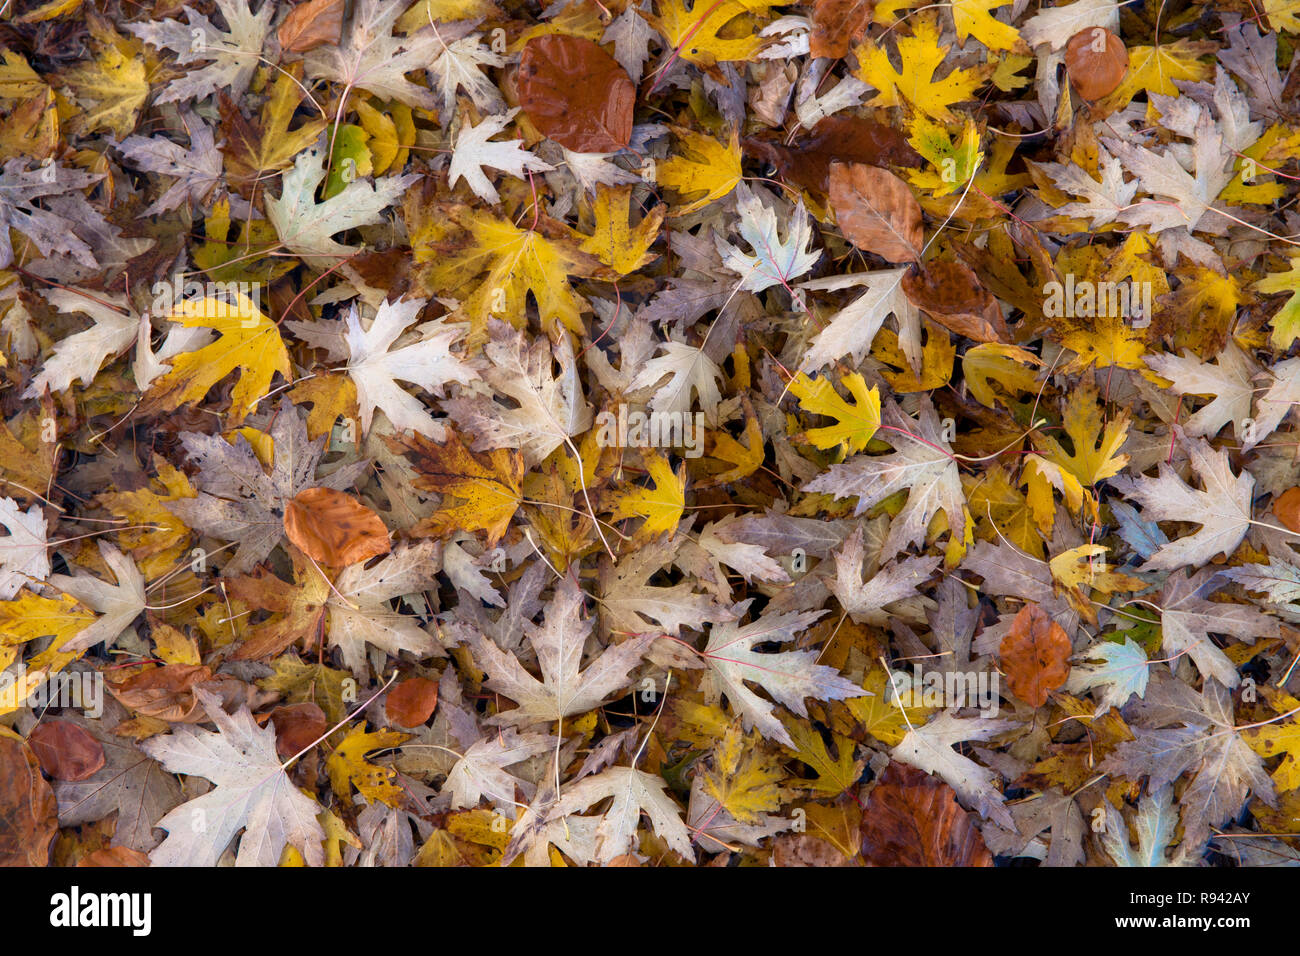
{"x": 876, "y": 211}
{"x": 1035, "y": 655}
{"x": 311, "y": 24}
{"x": 114, "y": 856}
{"x": 334, "y": 528}
{"x": 837, "y": 25}
{"x": 29, "y": 816}
{"x": 951, "y": 294}
{"x": 412, "y": 701}
{"x": 914, "y": 819}
{"x": 164, "y": 692}
{"x": 576, "y": 93}
{"x": 1096, "y": 60}
{"x": 296, "y": 727}
{"x": 66, "y": 751}
{"x": 846, "y": 139}
{"x": 1286, "y": 507}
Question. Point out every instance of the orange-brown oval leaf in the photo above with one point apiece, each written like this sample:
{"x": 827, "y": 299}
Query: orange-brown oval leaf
{"x": 914, "y": 819}
{"x": 411, "y": 702}
{"x": 66, "y": 751}
{"x": 334, "y": 528}
{"x": 576, "y": 93}
{"x": 951, "y": 294}
{"x": 876, "y": 211}
{"x": 1035, "y": 655}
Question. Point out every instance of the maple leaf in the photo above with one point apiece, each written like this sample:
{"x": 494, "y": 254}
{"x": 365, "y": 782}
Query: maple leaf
{"x": 623, "y": 248}
{"x": 690, "y": 373}
{"x": 473, "y": 151}
{"x": 921, "y": 56}
{"x": 1207, "y": 743}
{"x": 1156, "y": 823}
{"x": 629, "y": 603}
{"x": 490, "y": 490}
{"x": 196, "y": 171}
{"x": 929, "y": 748}
{"x": 254, "y": 148}
{"x": 1124, "y": 671}
{"x": 371, "y": 58}
{"x": 634, "y": 792}
{"x": 852, "y": 329}
{"x": 1223, "y": 508}
{"x": 24, "y": 551}
{"x": 550, "y": 408}
{"x": 234, "y": 52}
{"x": 359, "y": 611}
{"x": 375, "y": 366}
{"x": 482, "y": 770}
{"x": 117, "y": 604}
{"x": 247, "y": 340}
{"x": 253, "y": 793}
{"x": 565, "y": 688}
{"x": 775, "y": 261}
{"x": 306, "y": 226}
{"x": 788, "y": 676}
{"x": 865, "y": 601}
{"x": 741, "y": 778}
{"x": 922, "y": 463}
{"x": 65, "y": 231}
{"x": 661, "y": 507}
{"x": 704, "y": 168}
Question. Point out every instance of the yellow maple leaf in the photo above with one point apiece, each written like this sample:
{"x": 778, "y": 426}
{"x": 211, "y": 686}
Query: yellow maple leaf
{"x": 937, "y": 357}
{"x": 30, "y": 616}
{"x": 858, "y": 421}
{"x": 1095, "y": 453}
{"x": 660, "y": 506}
{"x": 743, "y": 775}
{"x": 1286, "y": 321}
{"x": 1010, "y": 366}
{"x": 701, "y": 167}
{"x": 695, "y": 33}
{"x": 920, "y": 55}
{"x": 745, "y": 459}
{"x": 1281, "y": 738}
{"x": 1001, "y": 510}
{"x": 347, "y": 766}
{"x": 247, "y": 340}
{"x": 488, "y": 487}
{"x": 157, "y": 539}
{"x": 460, "y": 248}
{"x": 1155, "y": 69}
{"x": 834, "y": 775}
{"x": 1103, "y": 341}
{"x": 113, "y": 86}
{"x": 613, "y": 241}
{"x": 881, "y": 713}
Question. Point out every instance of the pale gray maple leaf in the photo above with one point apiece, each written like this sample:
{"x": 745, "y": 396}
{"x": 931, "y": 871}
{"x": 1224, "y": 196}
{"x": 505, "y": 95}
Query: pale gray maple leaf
{"x": 1033, "y": 816}
{"x": 749, "y": 560}
{"x": 1187, "y": 619}
{"x": 774, "y": 258}
{"x": 1222, "y": 508}
{"x": 1008, "y": 571}
{"x": 550, "y": 407}
{"x": 306, "y": 226}
{"x": 372, "y": 59}
{"x": 238, "y": 501}
{"x": 630, "y": 605}
{"x": 457, "y": 67}
{"x": 590, "y": 170}
{"x": 1278, "y": 580}
{"x": 1054, "y": 26}
{"x": 633, "y": 793}
{"x": 1229, "y": 380}
{"x": 922, "y": 464}
{"x": 24, "y": 553}
{"x": 1281, "y": 395}
{"x": 359, "y": 611}
{"x": 853, "y": 328}
{"x": 52, "y": 232}
{"x": 1156, "y": 825}
{"x": 866, "y": 601}
{"x": 930, "y": 748}
{"x": 1206, "y": 743}
{"x": 483, "y": 769}
{"x": 1123, "y": 672}
{"x": 782, "y": 534}
{"x": 691, "y": 375}
{"x": 117, "y": 604}
{"x": 631, "y": 34}
{"x": 130, "y": 783}
{"x": 1252, "y": 57}
{"x": 253, "y": 793}
{"x": 80, "y": 355}
{"x": 468, "y": 572}
{"x": 235, "y": 52}
{"x": 376, "y": 367}
{"x": 196, "y": 171}
{"x": 1101, "y": 202}
{"x": 474, "y": 151}
{"x": 565, "y": 688}
{"x": 788, "y": 677}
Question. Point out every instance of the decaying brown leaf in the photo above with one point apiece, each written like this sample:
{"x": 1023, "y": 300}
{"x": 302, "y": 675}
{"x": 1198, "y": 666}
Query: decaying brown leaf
{"x": 913, "y": 819}
{"x": 576, "y": 93}
{"x": 876, "y": 211}
{"x": 1035, "y": 655}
